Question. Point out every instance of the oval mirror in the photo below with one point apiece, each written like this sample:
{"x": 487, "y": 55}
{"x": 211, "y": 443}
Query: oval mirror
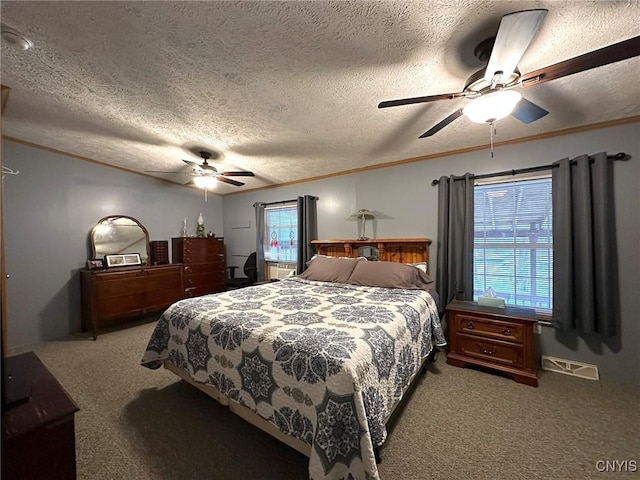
{"x": 119, "y": 234}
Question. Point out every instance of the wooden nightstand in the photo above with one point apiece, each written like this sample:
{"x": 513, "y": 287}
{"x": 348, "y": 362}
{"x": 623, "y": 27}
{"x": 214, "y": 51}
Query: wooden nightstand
{"x": 497, "y": 338}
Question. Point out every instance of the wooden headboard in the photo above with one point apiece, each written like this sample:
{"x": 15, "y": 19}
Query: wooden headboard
{"x": 400, "y": 250}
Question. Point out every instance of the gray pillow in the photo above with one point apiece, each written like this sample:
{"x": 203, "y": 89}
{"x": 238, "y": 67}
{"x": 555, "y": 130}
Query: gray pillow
{"x": 390, "y": 275}
{"x": 330, "y": 269}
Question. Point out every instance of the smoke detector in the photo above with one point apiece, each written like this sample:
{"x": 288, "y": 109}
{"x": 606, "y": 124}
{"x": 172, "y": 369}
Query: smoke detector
{"x": 15, "y": 39}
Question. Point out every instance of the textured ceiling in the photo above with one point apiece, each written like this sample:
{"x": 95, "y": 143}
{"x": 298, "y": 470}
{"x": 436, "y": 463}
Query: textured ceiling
{"x": 288, "y": 90}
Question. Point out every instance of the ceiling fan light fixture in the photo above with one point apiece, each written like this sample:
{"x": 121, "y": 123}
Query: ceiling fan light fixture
{"x": 15, "y": 39}
{"x": 205, "y": 181}
{"x": 491, "y": 107}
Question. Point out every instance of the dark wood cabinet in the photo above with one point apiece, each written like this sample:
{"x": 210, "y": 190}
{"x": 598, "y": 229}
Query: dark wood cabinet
{"x": 38, "y": 435}
{"x": 110, "y": 297}
{"x": 203, "y": 264}
{"x": 496, "y": 338}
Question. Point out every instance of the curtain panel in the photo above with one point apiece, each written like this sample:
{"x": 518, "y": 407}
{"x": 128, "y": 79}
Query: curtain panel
{"x": 455, "y": 238}
{"x": 307, "y": 230}
{"x": 259, "y": 210}
{"x": 584, "y": 252}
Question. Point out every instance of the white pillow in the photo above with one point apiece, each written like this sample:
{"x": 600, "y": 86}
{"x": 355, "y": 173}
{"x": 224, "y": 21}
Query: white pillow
{"x": 329, "y": 256}
{"x": 420, "y": 266}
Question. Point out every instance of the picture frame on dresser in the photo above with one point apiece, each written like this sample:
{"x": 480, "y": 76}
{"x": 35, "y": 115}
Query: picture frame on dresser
{"x": 95, "y": 263}
{"x": 123, "y": 260}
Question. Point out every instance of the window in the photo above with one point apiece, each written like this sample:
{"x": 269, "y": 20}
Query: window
{"x": 281, "y": 233}
{"x": 513, "y": 242}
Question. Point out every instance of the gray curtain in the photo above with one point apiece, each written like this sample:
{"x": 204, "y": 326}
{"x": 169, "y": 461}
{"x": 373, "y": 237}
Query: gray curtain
{"x": 584, "y": 254}
{"x": 307, "y": 230}
{"x": 259, "y": 208}
{"x": 455, "y": 238}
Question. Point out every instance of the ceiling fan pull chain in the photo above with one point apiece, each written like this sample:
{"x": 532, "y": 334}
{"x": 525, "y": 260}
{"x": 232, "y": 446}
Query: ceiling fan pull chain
{"x": 491, "y": 132}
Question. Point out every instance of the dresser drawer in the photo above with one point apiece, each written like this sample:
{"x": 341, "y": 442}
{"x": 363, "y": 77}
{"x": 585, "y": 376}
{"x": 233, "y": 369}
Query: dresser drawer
{"x": 499, "y": 353}
{"x": 485, "y": 327}
{"x": 211, "y": 267}
{"x": 209, "y": 278}
{"x": 203, "y": 244}
{"x": 203, "y": 290}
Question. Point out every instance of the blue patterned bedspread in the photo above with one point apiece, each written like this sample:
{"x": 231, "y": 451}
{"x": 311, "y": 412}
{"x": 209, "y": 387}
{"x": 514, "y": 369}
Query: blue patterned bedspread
{"x": 324, "y": 362}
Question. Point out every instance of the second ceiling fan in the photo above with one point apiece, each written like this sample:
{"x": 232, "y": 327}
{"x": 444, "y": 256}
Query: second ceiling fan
{"x": 491, "y": 89}
{"x": 207, "y": 174}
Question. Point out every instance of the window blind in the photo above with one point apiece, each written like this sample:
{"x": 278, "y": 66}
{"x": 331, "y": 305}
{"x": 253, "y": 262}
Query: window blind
{"x": 513, "y": 242}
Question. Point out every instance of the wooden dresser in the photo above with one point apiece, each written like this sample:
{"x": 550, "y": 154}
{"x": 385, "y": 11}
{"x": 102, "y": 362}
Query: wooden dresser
{"x": 203, "y": 264}
{"x": 109, "y": 297}
{"x": 38, "y": 435}
{"x": 497, "y": 338}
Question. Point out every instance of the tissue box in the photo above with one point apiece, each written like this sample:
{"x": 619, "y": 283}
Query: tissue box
{"x": 491, "y": 301}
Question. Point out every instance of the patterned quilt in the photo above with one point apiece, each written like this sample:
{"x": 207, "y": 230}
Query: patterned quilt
{"x": 323, "y": 362}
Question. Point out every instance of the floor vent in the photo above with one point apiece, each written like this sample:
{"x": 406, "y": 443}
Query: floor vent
{"x": 570, "y": 367}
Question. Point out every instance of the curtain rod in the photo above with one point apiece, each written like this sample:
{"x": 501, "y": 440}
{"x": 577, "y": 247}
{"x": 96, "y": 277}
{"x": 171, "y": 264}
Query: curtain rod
{"x": 281, "y": 202}
{"x": 617, "y": 156}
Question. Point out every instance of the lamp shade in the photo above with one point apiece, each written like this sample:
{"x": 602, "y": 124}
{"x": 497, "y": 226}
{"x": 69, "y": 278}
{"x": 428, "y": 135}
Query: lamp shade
{"x": 363, "y": 213}
{"x": 205, "y": 181}
{"x": 491, "y": 107}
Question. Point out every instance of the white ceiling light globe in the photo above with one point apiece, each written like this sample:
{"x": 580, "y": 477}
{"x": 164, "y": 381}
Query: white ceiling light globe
{"x": 491, "y": 107}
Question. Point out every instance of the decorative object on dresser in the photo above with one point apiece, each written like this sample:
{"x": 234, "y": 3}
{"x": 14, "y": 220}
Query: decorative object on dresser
{"x": 200, "y": 227}
{"x": 38, "y": 435}
{"x": 402, "y": 250}
{"x": 126, "y": 259}
{"x": 111, "y": 296}
{"x": 497, "y": 338}
{"x": 159, "y": 252}
{"x": 203, "y": 264}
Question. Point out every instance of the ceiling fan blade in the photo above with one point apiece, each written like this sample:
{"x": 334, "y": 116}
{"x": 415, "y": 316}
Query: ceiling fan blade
{"x": 527, "y": 111}
{"x": 435, "y": 129}
{"x": 429, "y": 98}
{"x": 220, "y": 178}
{"x": 170, "y": 173}
{"x": 597, "y": 58}
{"x": 237, "y": 174}
{"x": 515, "y": 33}
{"x": 191, "y": 163}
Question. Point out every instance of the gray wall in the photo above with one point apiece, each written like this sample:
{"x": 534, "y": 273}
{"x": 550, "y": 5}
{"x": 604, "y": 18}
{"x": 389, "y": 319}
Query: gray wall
{"x": 49, "y": 209}
{"x": 405, "y": 195}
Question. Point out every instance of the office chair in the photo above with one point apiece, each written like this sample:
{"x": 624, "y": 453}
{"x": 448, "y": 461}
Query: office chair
{"x": 250, "y": 269}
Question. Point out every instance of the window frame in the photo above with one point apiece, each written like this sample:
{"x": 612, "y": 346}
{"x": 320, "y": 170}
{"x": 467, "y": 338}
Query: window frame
{"x": 543, "y": 315}
{"x": 268, "y": 229}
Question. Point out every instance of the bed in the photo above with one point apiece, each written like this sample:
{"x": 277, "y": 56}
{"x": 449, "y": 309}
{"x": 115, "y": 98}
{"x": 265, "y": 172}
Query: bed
{"x": 319, "y": 361}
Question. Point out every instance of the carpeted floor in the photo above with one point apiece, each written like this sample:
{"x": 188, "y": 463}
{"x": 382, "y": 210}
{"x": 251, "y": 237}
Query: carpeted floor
{"x": 135, "y": 423}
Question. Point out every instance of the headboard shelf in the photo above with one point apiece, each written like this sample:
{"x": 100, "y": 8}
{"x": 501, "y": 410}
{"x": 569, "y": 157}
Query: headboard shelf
{"x": 400, "y": 250}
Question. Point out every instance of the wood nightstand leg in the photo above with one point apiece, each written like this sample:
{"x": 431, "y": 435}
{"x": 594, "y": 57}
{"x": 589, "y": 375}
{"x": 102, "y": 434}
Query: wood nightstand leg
{"x": 455, "y": 362}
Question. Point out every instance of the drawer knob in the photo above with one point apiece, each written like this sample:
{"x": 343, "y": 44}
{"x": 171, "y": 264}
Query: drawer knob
{"x": 487, "y": 351}
{"x": 470, "y": 326}
{"x": 506, "y": 332}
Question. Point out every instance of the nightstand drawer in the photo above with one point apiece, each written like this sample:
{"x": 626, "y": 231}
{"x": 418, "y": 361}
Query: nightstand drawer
{"x": 491, "y": 351}
{"x": 485, "y": 327}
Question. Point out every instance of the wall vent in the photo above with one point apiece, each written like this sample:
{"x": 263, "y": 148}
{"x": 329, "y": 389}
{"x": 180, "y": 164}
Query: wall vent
{"x": 570, "y": 367}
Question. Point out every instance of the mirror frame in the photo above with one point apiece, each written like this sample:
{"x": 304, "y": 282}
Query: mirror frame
{"x": 92, "y": 235}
